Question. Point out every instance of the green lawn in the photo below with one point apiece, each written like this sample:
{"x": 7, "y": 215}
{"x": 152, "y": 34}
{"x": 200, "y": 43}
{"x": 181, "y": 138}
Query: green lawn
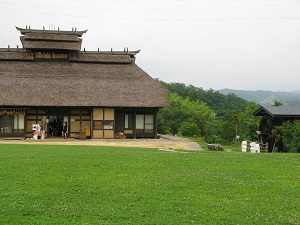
{"x": 42, "y": 184}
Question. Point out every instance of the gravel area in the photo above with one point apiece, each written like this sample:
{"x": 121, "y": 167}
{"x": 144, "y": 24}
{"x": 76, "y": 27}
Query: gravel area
{"x": 165, "y": 142}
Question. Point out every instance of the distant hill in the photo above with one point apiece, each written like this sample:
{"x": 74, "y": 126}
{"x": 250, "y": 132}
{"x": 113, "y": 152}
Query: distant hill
{"x": 264, "y": 97}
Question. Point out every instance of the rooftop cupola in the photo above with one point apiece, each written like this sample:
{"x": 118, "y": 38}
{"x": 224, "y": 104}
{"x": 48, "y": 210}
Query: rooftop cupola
{"x": 51, "y": 40}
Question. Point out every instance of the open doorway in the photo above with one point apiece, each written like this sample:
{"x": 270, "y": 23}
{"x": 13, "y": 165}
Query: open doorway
{"x": 56, "y": 124}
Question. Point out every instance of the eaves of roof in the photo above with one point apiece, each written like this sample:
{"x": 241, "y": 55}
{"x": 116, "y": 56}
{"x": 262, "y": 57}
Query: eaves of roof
{"x": 278, "y": 111}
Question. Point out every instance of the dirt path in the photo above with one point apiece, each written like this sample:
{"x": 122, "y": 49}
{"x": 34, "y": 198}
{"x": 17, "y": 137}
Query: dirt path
{"x": 165, "y": 142}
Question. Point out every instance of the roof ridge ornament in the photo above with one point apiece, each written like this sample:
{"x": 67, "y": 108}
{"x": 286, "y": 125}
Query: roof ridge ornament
{"x": 26, "y": 30}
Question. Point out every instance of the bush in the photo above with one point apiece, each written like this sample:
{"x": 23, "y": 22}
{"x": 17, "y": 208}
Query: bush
{"x": 290, "y": 133}
{"x": 213, "y": 139}
{"x": 189, "y": 129}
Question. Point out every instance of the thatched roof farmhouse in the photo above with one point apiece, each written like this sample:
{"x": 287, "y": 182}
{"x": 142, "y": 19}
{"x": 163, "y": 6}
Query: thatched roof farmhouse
{"x": 49, "y": 81}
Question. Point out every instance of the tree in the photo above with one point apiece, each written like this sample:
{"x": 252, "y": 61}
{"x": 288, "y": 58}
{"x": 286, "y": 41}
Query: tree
{"x": 182, "y": 110}
{"x": 218, "y": 102}
{"x": 189, "y": 129}
{"x": 248, "y": 123}
{"x": 216, "y": 115}
{"x": 276, "y": 135}
{"x": 277, "y": 103}
{"x": 290, "y": 134}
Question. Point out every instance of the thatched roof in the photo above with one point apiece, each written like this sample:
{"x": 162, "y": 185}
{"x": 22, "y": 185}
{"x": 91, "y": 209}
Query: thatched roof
{"x": 47, "y": 44}
{"x": 51, "y": 39}
{"x": 28, "y": 30}
{"x": 64, "y": 76}
{"x": 84, "y": 79}
{"x": 15, "y": 54}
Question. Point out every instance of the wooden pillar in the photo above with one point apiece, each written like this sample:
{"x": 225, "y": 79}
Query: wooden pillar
{"x": 134, "y": 124}
{"x": 92, "y": 124}
{"x": 80, "y": 125}
{"x": 155, "y": 123}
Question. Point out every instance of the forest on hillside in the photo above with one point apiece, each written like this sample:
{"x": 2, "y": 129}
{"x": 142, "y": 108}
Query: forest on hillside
{"x": 215, "y": 117}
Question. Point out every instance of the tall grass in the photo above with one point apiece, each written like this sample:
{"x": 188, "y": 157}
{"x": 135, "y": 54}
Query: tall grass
{"x": 109, "y": 185}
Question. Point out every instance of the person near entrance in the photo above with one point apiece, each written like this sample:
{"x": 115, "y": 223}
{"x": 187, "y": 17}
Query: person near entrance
{"x": 65, "y": 130}
{"x": 54, "y": 128}
{"x": 50, "y": 130}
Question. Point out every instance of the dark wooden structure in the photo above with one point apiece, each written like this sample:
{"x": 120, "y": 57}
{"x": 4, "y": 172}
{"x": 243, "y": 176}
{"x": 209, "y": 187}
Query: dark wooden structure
{"x": 272, "y": 116}
{"x": 99, "y": 93}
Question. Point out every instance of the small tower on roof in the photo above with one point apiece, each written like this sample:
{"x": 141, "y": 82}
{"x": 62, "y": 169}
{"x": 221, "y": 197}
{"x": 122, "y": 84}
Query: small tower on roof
{"x": 51, "y": 40}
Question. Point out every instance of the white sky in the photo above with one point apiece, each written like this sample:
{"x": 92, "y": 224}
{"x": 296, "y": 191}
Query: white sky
{"x": 238, "y": 44}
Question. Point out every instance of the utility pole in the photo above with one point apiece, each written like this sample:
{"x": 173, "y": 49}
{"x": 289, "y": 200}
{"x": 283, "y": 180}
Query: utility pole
{"x": 235, "y": 132}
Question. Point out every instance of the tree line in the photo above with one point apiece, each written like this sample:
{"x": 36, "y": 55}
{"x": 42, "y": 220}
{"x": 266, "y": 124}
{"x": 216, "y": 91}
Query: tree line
{"x": 218, "y": 118}
{"x": 215, "y": 117}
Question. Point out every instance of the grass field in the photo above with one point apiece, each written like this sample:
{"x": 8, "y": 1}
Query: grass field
{"x": 43, "y": 184}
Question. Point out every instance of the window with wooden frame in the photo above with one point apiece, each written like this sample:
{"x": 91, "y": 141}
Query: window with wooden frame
{"x": 149, "y": 123}
{"x": 108, "y": 124}
{"x": 103, "y": 124}
{"x": 129, "y": 121}
{"x": 144, "y": 123}
{"x": 11, "y": 123}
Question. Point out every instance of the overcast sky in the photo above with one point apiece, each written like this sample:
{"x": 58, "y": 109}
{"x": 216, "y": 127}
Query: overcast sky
{"x": 238, "y": 44}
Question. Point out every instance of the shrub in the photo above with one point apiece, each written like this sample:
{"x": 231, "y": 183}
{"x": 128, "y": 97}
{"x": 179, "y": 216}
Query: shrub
{"x": 189, "y": 129}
